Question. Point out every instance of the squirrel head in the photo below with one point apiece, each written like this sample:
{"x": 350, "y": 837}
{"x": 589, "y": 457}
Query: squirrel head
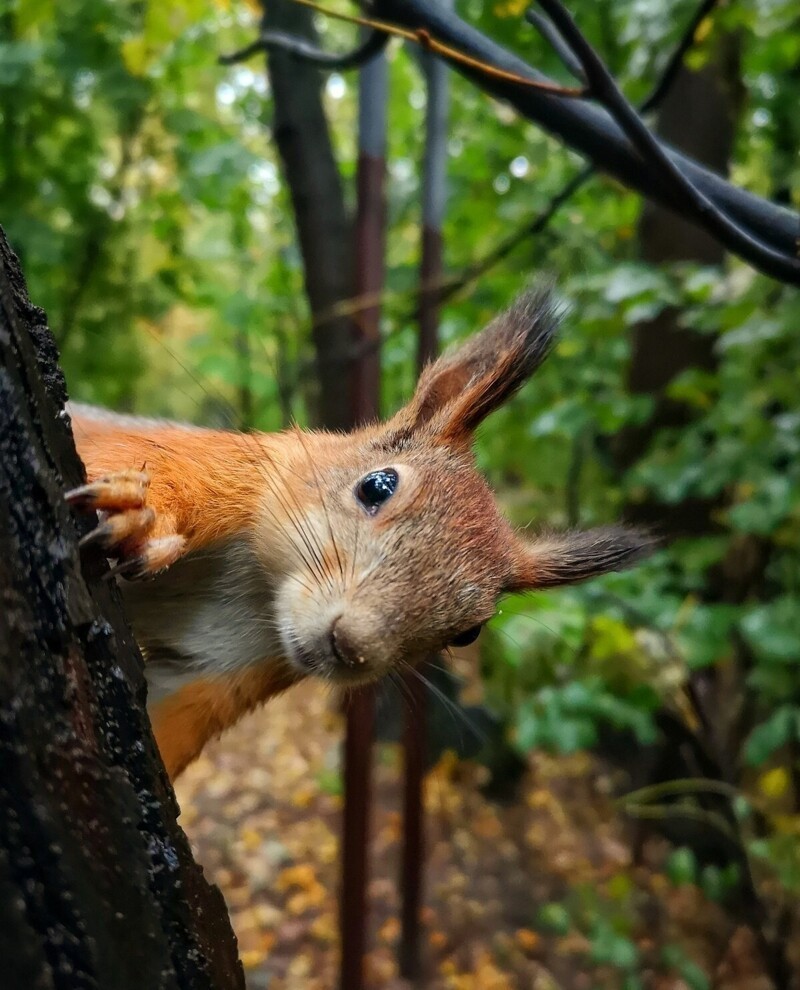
{"x": 393, "y": 546}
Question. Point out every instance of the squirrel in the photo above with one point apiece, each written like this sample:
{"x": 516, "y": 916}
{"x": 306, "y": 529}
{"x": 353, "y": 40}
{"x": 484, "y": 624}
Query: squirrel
{"x": 249, "y": 561}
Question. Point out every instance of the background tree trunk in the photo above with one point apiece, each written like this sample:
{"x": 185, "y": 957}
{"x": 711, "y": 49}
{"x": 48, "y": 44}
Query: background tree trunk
{"x": 98, "y": 888}
{"x": 324, "y": 229}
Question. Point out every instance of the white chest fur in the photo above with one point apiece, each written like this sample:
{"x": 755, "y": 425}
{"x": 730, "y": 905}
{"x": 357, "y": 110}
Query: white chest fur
{"x": 210, "y": 613}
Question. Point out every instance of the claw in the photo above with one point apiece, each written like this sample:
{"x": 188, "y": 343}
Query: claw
{"x": 128, "y": 526}
{"x": 156, "y": 555}
{"x": 115, "y": 529}
{"x": 132, "y": 568}
{"x": 115, "y": 492}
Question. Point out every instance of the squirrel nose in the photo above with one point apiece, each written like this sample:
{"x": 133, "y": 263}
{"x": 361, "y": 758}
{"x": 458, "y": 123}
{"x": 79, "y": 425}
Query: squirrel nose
{"x": 344, "y": 649}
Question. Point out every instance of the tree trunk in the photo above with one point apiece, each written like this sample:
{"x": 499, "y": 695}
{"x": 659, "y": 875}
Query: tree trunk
{"x": 324, "y": 230}
{"x": 98, "y": 888}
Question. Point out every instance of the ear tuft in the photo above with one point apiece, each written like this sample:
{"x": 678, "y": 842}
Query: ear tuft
{"x": 460, "y": 389}
{"x": 566, "y": 558}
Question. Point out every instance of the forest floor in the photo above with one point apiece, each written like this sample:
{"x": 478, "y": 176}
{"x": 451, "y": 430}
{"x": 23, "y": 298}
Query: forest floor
{"x": 262, "y": 811}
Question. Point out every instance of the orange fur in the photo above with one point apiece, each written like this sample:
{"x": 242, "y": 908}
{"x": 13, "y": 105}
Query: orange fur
{"x": 185, "y": 721}
{"x": 206, "y": 484}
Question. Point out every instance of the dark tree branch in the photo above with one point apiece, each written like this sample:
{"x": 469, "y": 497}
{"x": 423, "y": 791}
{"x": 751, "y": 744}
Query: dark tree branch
{"x": 684, "y": 194}
{"x": 594, "y": 133}
{"x": 280, "y": 41}
{"x": 556, "y": 42}
{"x": 538, "y": 224}
{"x": 675, "y": 63}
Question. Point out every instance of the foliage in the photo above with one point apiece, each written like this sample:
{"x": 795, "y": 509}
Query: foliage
{"x": 139, "y": 185}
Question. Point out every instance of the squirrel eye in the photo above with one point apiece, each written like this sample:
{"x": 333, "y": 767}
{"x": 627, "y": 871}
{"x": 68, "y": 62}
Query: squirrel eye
{"x": 466, "y": 637}
{"x": 376, "y": 488}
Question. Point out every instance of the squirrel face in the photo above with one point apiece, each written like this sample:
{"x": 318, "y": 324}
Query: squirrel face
{"x": 395, "y": 546}
{"x": 411, "y": 553}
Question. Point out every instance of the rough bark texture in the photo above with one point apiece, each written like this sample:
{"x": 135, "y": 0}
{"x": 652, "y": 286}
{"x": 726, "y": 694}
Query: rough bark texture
{"x": 324, "y": 230}
{"x": 98, "y": 888}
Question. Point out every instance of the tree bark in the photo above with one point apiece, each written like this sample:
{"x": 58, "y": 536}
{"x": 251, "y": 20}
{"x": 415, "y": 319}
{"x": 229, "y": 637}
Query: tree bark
{"x": 98, "y": 888}
{"x": 324, "y": 230}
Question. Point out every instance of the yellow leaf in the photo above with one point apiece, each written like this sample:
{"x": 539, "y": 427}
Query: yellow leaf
{"x": 302, "y": 876}
{"x": 511, "y": 8}
{"x": 252, "y": 958}
{"x": 303, "y": 797}
{"x": 703, "y": 30}
{"x": 389, "y": 930}
{"x": 136, "y": 55}
{"x": 774, "y": 783}
{"x": 437, "y": 939}
{"x": 786, "y": 824}
{"x": 325, "y": 928}
{"x": 251, "y": 839}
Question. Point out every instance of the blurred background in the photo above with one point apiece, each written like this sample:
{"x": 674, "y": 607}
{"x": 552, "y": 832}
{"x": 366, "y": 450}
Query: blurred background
{"x": 614, "y": 794}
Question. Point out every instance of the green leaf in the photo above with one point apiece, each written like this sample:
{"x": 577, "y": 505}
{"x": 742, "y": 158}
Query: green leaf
{"x": 613, "y": 949}
{"x": 781, "y": 727}
{"x": 681, "y": 866}
{"x": 554, "y": 917}
{"x": 773, "y": 631}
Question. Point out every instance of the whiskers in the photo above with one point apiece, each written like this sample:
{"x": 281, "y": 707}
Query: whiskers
{"x": 321, "y": 498}
{"x": 460, "y": 718}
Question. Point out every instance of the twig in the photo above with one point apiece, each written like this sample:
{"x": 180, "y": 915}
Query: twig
{"x": 425, "y": 38}
{"x": 532, "y": 228}
{"x": 675, "y": 63}
{"x": 268, "y": 41}
{"x": 680, "y": 188}
{"x": 556, "y": 42}
{"x": 537, "y": 225}
{"x": 661, "y": 812}
{"x": 678, "y": 788}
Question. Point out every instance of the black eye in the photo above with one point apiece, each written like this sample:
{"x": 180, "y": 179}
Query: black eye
{"x": 466, "y": 637}
{"x": 376, "y": 488}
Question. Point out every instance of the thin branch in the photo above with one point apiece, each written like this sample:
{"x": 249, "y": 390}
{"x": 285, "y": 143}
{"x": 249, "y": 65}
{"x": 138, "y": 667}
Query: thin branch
{"x": 556, "y": 42}
{"x": 536, "y": 226}
{"x": 663, "y": 812}
{"x": 678, "y": 788}
{"x": 427, "y": 40}
{"x": 675, "y": 63}
{"x": 532, "y": 228}
{"x": 681, "y": 190}
{"x": 280, "y": 41}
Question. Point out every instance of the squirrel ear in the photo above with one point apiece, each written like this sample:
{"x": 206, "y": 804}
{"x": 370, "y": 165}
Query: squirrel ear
{"x": 459, "y": 390}
{"x": 566, "y": 558}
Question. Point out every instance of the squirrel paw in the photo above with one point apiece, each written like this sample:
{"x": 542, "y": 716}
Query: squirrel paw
{"x": 129, "y": 529}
